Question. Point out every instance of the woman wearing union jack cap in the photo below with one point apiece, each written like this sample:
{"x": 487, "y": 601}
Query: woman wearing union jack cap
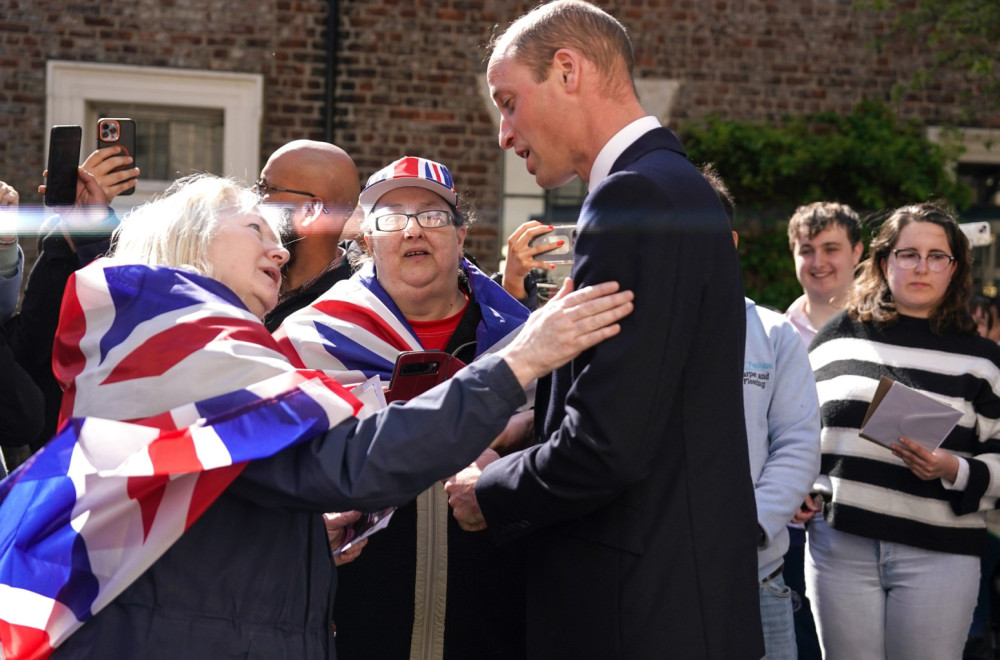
{"x": 178, "y": 511}
{"x": 425, "y": 586}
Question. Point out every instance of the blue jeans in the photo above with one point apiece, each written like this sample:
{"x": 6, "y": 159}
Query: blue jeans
{"x": 776, "y": 619}
{"x": 795, "y": 577}
{"x": 874, "y": 599}
{"x": 982, "y": 618}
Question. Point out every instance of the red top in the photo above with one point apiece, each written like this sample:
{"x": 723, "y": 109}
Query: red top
{"x": 434, "y": 335}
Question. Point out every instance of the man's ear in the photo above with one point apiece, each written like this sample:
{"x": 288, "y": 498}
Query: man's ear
{"x": 856, "y": 251}
{"x": 566, "y": 63}
{"x": 311, "y": 211}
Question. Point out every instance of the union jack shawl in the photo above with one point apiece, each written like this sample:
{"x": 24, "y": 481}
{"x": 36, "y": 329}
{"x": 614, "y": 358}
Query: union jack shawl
{"x": 203, "y": 387}
{"x": 355, "y": 330}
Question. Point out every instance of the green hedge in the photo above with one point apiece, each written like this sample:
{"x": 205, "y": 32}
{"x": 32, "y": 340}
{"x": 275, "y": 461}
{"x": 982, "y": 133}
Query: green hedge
{"x": 869, "y": 159}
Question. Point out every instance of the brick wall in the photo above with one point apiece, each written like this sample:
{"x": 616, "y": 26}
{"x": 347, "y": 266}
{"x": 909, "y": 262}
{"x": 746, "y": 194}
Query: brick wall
{"x": 284, "y": 41}
{"x": 757, "y": 59}
{"x": 406, "y": 72}
{"x": 409, "y": 80}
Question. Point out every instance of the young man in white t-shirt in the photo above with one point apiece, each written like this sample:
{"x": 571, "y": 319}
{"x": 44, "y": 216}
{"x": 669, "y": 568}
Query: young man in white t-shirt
{"x": 825, "y": 240}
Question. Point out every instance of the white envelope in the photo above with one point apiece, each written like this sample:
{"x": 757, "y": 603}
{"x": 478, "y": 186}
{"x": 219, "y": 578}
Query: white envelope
{"x": 900, "y": 411}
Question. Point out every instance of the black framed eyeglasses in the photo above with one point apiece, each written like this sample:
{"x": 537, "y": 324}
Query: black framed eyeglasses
{"x": 262, "y": 187}
{"x": 936, "y": 261}
{"x": 433, "y": 219}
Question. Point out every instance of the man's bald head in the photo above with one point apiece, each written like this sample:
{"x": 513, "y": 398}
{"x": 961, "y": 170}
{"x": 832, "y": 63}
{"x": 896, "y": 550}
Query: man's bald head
{"x": 317, "y": 183}
{"x": 321, "y": 168}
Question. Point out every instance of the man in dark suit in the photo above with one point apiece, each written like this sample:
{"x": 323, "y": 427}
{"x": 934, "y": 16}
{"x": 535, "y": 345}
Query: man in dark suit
{"x": 637, "y": 496}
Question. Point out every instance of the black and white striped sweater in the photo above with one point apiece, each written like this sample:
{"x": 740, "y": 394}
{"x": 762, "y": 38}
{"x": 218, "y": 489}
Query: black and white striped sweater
{"x": 870, "y": 492}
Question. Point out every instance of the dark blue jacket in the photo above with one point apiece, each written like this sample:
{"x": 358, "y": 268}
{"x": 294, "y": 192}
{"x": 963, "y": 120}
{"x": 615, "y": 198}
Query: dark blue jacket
{"x": 253, "y": 577}
{"x": 639, "y": 497}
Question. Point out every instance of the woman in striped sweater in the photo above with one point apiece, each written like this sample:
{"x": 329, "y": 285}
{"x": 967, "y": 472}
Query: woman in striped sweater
{"x": 893, "y": 564}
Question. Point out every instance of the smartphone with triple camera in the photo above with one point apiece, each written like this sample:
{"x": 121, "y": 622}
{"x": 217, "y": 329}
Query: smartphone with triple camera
{"x": 119, "y": 132}
{"x": 563, "y": 254}
{"x": 63, "y": 160}
{"x": 416, "y": 372}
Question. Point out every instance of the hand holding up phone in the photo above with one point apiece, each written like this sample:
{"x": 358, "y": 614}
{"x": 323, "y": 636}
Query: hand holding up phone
{"x": 535, "y": 245}
{"x": 60, "y": 173}
{"x": 556, "y": 245}
{"x": 119, "y": 134}
{"x": 97, "y": 169}
{"x": 112, "y": 170}
{"x": 108, "y": 165}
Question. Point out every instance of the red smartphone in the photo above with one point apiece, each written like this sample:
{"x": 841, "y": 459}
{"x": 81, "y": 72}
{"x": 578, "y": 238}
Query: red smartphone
{"x": 119, "y": 132}
{"x": 416, "y": 372}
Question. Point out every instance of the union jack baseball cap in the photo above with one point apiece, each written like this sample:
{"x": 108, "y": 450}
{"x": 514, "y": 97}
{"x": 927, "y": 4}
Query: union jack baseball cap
{"x": 409, "y": 171}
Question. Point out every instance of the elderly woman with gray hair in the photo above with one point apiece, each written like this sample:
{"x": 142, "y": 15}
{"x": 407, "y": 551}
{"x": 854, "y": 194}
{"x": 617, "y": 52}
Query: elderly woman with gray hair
{"x": 166, "y": 335}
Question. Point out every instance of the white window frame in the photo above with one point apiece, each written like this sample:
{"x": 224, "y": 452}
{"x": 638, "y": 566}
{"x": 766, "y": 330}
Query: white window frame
{"x": 72, "y": 86}
{"x": 980, "y": 145}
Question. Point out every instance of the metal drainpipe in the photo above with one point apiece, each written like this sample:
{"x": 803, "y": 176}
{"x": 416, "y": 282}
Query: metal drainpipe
{"x": 332, "y": 26}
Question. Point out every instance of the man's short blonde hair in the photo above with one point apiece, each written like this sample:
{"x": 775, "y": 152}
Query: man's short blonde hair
{"x": 533, "y": 40}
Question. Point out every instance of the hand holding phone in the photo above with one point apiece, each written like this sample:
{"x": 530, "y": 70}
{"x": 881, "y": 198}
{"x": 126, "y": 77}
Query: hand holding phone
{"x": 63, "y": 160}
{"x": 564, "y": 237}
{"x": 812, "y": 505}
{"x": 356, "y": 532}
{"x": 106, "y": 165}
{"x": 118, "y": 132}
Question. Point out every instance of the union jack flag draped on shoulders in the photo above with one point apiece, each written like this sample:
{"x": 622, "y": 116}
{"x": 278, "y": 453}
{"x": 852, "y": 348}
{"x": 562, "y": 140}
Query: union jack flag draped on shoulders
{"x": 202, "y": 388}
{"x": 355, "y": 330}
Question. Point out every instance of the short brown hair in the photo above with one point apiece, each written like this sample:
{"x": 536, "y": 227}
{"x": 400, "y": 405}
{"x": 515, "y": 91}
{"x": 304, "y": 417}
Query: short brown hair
{"x": 722, "y": 190}
{"x": 817, "y": 216}
{"x": 872, "y": 301}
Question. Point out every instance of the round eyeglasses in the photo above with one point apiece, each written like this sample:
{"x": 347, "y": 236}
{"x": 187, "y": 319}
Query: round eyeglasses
{"x": 936, "y": 261}
{"x": 426, "y": 219}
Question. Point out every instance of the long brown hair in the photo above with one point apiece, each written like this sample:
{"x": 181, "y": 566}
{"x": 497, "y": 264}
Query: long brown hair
{"x": 872, "y": 301}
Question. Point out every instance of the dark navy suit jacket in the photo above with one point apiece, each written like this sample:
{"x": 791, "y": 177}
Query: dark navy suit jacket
{"x": 638, "y": 496}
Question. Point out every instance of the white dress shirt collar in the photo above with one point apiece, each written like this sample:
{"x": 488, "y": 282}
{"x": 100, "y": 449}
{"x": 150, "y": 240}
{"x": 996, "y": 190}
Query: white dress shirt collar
{"x": 616, "y": 146}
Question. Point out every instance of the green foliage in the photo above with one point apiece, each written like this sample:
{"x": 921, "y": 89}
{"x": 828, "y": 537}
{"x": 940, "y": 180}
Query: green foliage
{"x": 962, "y": 35}
{"x": 869, "y": 159}
{"x": 768, "y": 268}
